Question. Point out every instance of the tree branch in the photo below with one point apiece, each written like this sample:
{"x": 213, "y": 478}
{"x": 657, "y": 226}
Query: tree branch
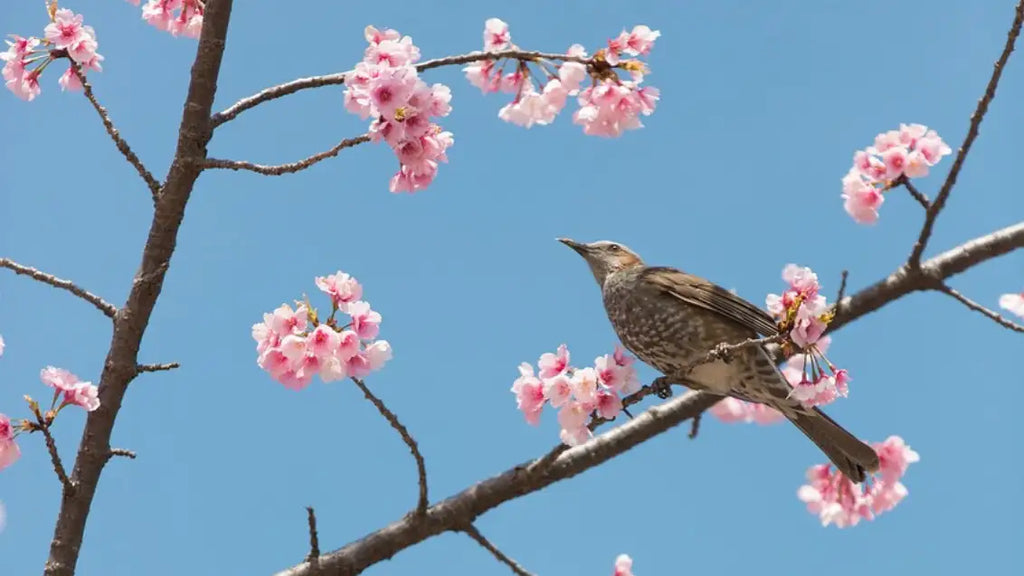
{"x": 314, "y": 539}
{"x": 999, "y": 319}
{"x": 561, "y": 463}
{"x": 121, "y": 364}
{"x": 275, "y": 92}
{"x": 421, "y": 467}
{"x": 286, "y": 168}
{"x": 157, "y": 367}
{"x": 475, "y": 534}
{"x": 58, "y": 466}
{"x": 915, "y": 193}
{"x": 972, "y": 134}
{"x": 122, "y": 145}
{"x": 102, "y": 305}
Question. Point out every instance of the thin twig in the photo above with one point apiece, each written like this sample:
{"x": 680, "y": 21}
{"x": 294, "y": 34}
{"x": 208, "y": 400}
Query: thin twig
{"x": 314, "y": 541}
{"x": 121, "y": 452}
{"x": 421, "y": 467}
{"x": 695, "y": 426}
{"x": 842, "y": 286}
{"x": 279, "y": 169}
{"x": 972, "y": 132}
{"x": 158, "y": 367}
{"x": 106, "y": 307}
{"x": 921, "y": 198}
{"x": 275, "y": 92}
{"x": 122, "y": 145}
{"x": 475, "y": 534}
{"x": 58, "y": 466}
{"x": 995, "y": 316}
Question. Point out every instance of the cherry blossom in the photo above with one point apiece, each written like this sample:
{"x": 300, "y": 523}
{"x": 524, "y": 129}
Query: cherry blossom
{"x": 75, "y": 391}
{"x": 905, "y": 153}
{"x": 2, "y": 345}
{"x": 1013, "y": 303}
{"x": 577, "y": 393}
{"x": 66, "y": 33}
{"x": 9, "y": 451}
{"x": 293, "y": 354}
{"x": 623, "y": 566}
{"x": 837, "y": 500}
{"x": 386, "y": 87}
{"x": 609, "y": 107}
{"x": 732, "y": 410}
{"x": 179, "y": 17}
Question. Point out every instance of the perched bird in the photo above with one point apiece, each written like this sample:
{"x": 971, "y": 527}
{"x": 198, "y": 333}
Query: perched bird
{"x": 671, "y": 320}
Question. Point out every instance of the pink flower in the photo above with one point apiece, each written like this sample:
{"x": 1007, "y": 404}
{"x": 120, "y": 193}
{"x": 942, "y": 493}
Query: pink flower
{"x": 861, "y": 199}
{"x": 84, "y": 394}
{"x": 188, "y": 20}
{"x": 571, "y": 75}
{"x": 9, "y": 451}
{"x": 532, "y": 107}
{"x": 1, "y": 345}
{"x": 365, "y": 322}
{"x": 573, "y": 420}
{"x": 1013, "y": 303}
{"x": 496, "y": 35}
{"x": 608, "y": 404}
{"x": 75, "y": 391}
{"x": 529, "y": 393}
{"x": 557, "y": 390}
{"x": 609, "y": 108}
{"x": 617, "y": 372}
{"x": 552, "y": 365}
{"x": 69, "y": 80}
{"x": 640, "y": 40}
{"x": 65, "y": 30}
{"x": 342, "y": 288}
{"x": 623, "y": 566}
{"x": 837, "y": 500}
{"x": 59, "y": 379}
{"x": 732, "y": 410}
{"x": 25, "y": 86}
{"x": 392, "y": 52}
{"x": 377, "y": 354}
{"x": 809, "y": 326}
{"x": 584, "y": 386}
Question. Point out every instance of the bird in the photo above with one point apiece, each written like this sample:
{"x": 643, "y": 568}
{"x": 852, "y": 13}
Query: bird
{"x": 671, "y": 320}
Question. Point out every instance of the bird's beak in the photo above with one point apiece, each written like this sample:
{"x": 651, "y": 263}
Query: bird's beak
{"x": 581, "y": 249}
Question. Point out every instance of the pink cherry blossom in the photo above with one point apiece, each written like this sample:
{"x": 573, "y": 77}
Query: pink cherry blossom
{"x": 1013, "y": 303}
{"x": 609, "y": 405}
{"x": 908, "y": 152}
{"x": 529, "y": 393}
{"x": 342, "y": 288}
{"x": 496, "y": 35}
{"x": 552, "y": 365}
{"x": 584, "y": 386}
{"x": 84, "y": 394}
{"x": 617, "y": 372}
{"x": 59, "y": 379}
{"x": 365, "y": 322}
{"x": 65, "y": 30}
{"x": 732, "y": 410}
{"x": 573, "y": 420}
{"x": 623, "y": 566}
{"x": 557, "y": 390}
{"x": 179, "y": 17}
{"x": 837, "y": 500}
{"x": 75, "y": 392}
{"x": 2, "y": 345}
{"x": 9, "y": 451}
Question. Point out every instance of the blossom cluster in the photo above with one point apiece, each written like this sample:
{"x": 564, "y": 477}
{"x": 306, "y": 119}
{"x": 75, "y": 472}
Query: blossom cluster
{"x": 65, "y": 385}
{"x": 386, "y": 86}
{"x": 1013, "y": 303}
{"x": 575, "y": 392}
{"x": 179, "y": 17}
{"x": 623, "y": 565}
{"x": 292, "y": 352}
{"x": 837, "y": 500}
{"x": 608, "y": 107}
{"x": 905, "y": 153}
{"x": 27, "y": 58}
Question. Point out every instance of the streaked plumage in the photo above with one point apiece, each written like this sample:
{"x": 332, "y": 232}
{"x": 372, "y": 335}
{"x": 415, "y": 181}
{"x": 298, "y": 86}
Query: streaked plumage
{"x": 670, "y": 320}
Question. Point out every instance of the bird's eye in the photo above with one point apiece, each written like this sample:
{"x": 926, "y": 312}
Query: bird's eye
{"x": 614, "y": 247}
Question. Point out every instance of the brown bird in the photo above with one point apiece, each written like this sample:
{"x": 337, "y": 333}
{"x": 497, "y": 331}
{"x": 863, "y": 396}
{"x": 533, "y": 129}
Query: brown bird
{"x": 671, "y": 320}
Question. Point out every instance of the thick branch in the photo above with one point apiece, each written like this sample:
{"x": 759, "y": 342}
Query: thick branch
{"x": 421, "y": 467}
{"x": 102, "y": 305}
{"x": 972, "y": 134}
{"x": 275, "y": 92}
{"x": 561, "y": 463}
{"x": 279, "y": 169}
{"x": 475, "y": 534}
{"x": 130, "y": 322}
{"x": 122, "y": 145}
{"x": 999, "y": 319}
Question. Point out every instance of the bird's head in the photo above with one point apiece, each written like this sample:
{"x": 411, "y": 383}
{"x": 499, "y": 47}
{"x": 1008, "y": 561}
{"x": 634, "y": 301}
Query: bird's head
{"x": 604, "y": 257}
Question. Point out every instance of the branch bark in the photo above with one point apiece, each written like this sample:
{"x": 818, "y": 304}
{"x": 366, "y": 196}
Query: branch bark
{"x": 560, "y": 463}
{"x": 130, "y": 322}
{"x": 102, "y": 305}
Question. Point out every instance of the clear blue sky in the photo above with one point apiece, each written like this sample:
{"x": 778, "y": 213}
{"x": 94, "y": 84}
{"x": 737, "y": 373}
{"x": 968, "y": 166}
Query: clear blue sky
{"x": 763, "y": 105}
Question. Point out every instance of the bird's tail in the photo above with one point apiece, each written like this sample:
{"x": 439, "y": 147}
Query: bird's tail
{"x": 852, "y": 457}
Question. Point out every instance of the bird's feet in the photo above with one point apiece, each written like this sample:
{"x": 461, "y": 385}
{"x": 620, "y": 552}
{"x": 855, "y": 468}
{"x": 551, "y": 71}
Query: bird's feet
{"x": 723, "y": 352}
{"x": 662, "y": 386}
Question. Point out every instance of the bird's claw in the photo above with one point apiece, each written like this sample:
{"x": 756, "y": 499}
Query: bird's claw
{"x": 662, "y": 387}
{"x": 723, "y": 352}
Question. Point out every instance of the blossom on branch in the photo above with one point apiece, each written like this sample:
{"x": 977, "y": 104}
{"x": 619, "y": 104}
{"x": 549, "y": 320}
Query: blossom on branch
{"x": 837, "y": 500}
{"x": 65, "y": 36}
{"x": 609, "y": 106}
{"x": 9, "y": 451}
{"x": 578, "y": 393}
{"x": 292, "y": 353}
{"x": 74, "y": 391}
{"x": 386, "y": 87}
{"x": 897, "y": 154}
{"x": 623, "y": 566}
{"x": 179, "y": 17}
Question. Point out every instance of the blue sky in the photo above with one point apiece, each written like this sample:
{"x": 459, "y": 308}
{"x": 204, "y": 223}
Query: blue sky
{"x": 736, "y": 174}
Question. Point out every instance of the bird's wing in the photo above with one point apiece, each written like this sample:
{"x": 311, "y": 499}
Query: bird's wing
{"x": 700, "y": 292}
